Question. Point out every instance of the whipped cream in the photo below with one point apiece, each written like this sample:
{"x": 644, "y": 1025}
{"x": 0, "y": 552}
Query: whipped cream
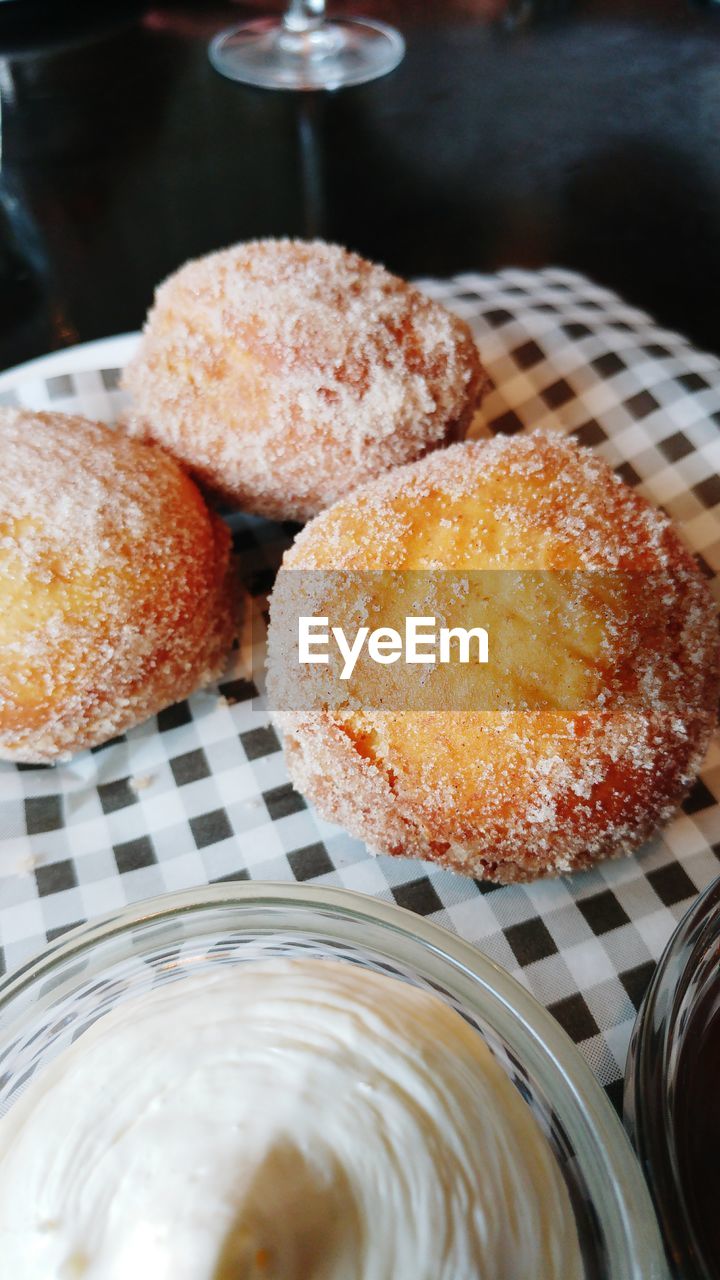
{"x": 286, "y": 1120}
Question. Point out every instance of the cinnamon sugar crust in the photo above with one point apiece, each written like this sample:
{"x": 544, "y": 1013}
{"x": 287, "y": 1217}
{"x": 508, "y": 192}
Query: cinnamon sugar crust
{"x": 116, "y": 593}
{"x": 285, "y": 373}
{"x": 514, "y": 794}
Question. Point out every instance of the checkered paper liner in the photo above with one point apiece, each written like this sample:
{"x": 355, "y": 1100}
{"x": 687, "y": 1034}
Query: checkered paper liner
{"x": 200, "y": 793}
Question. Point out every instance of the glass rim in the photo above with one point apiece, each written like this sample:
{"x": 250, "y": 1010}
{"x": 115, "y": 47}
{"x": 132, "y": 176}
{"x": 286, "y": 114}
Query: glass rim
{"x": 601, "y": 1145}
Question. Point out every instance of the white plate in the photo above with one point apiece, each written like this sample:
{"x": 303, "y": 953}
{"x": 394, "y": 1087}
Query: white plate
{"x": 104, "y": 353}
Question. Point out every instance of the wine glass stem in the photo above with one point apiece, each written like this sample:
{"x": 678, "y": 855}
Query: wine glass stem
{"x": 304, "y": 16}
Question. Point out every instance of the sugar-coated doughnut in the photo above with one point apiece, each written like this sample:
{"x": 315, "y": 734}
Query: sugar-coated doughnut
{"x": 622, "y": 700}
{"x": 115, "y": 592}
{"x": 285, "y": 373}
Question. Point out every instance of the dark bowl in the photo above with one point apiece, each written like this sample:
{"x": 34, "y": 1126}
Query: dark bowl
{"x": 672, "y": 1099}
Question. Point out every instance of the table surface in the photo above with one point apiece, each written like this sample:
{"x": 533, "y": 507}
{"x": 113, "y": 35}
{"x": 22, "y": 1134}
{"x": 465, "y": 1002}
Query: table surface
{"x": 526, "y": 132}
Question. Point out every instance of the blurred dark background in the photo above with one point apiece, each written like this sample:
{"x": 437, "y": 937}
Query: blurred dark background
{"x": 582, "y": 133}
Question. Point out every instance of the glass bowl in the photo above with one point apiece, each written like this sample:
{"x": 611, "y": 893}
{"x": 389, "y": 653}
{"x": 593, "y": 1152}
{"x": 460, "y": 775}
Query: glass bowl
{"x": 51, "y": 1001}
{"x": 659, "y": 1102}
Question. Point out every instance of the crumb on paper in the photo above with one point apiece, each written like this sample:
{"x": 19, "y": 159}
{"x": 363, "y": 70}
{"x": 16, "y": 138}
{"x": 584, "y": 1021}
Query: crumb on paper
{"x": 27, "y": 864}
{"x": 142, "y": 782}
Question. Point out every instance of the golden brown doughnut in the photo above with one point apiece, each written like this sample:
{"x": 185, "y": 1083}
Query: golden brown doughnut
{"x": 284, "y": 373}
{"x": 622, "y": 702}
{"x": 115, "y": 596}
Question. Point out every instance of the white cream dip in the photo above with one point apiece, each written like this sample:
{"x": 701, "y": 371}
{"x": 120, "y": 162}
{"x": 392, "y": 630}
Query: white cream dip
{"x": 286, "y": 1120}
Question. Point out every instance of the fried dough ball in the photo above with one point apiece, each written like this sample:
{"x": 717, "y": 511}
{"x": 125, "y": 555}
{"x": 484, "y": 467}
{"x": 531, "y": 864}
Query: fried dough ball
{"x": 285, "y": 373}
{"x": 115, "y": 591}
{"x": 598, "y": 699}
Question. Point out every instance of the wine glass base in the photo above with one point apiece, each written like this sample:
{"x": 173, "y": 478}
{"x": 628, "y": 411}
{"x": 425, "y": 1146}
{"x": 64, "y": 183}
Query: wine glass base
{"x": 337, "y": 53}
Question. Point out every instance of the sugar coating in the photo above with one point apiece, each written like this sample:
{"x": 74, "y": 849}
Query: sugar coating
{"x": 285, "y": 373}
{"x": 511, "y": 794}
{"x": 115, "y": 588}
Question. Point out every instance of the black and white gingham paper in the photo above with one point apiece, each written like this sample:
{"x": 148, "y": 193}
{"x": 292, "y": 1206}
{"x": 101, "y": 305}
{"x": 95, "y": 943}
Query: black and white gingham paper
{"x": 200, "y": 794}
